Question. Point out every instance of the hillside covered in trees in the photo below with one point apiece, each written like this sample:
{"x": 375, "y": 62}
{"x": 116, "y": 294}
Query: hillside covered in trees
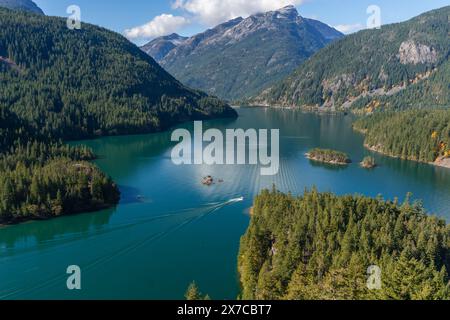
{"x": 42, "y": 178}
{"x": 320, "y": 246}
{"x": 58, "y": 84}
{"x": 90, "y": 82}
{"x": 420, "y": 135}
{"x": 399, "y": 66}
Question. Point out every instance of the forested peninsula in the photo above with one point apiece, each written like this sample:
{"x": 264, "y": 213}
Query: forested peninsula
{"x": 320, "y": 246}
{"x": 419, "y": 135}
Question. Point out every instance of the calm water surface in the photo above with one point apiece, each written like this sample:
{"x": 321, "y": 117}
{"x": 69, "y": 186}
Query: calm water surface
{"x": 169, "y": 229}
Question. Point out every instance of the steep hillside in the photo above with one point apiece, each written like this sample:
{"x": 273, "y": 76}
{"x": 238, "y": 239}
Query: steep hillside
{"x": 241, "y": 57}
{"x": 420, "y": 135}
{"x": 399, "y": 66}
{"x": 89, "y": 82}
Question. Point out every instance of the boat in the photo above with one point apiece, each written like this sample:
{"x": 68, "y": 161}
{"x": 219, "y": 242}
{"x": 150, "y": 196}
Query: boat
{"x": 208, "y": 180}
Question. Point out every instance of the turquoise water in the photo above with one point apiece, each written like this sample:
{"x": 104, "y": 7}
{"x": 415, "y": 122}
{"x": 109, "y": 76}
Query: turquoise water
{"x": 169, "y": 229}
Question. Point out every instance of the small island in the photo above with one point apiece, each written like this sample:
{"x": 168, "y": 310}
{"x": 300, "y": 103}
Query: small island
{"x": 368, "y": 163}
{"x": 328, "y": 156}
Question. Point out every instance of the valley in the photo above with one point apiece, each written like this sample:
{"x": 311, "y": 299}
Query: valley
{"x": 130, "y": 164}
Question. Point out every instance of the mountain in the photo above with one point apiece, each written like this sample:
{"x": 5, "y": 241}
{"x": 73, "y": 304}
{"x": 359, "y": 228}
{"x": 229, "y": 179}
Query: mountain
{"x": 24, "y": 5}
{"x": 241, "y": 57}
{"x": 398, "y": 66}
{"x": 160, "y": 47}
{"x": 83, "y": 83}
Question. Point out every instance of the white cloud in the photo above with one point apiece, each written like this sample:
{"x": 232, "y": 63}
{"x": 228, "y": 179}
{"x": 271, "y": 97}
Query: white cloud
{"x": 213, "y": 12}
{"x": 209, "y": 12}
{"x": 161, "y": 25}
{"x": 349, "y": 28}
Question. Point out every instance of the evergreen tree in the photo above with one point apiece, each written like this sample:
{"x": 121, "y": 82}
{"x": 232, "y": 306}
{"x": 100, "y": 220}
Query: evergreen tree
{"x": 320, "y": 246}
{"x": 193, "y": 292}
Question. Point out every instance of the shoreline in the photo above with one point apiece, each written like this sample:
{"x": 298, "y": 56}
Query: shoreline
{"x": 93, "y": 210}
{"x": 441, "y": 162}
{"x": 97, "y": 208}
{"x": 304, "y": 108}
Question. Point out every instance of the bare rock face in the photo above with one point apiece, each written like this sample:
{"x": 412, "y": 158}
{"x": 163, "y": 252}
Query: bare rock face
{"x": 443, "y": 162}
{"x": 416, "y": 53}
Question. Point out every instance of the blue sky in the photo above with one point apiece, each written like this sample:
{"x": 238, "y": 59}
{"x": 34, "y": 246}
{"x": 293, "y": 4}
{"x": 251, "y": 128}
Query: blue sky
{"x": 188, "y": 17}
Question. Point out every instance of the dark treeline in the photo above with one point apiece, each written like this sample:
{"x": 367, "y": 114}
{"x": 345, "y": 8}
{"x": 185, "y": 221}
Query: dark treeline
{"x": 76, "y": 84}
{"x": 421, "y": 135}
{"x": 41, "y": 178}
{"x": 319, "y": 246}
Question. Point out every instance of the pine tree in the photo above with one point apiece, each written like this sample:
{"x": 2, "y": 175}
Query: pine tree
{"x": 320, "y": 246}
{"x": 192, "y": 292}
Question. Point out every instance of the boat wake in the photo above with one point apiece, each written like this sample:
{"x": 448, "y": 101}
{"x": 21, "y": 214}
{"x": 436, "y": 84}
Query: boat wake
{"x": 235, "y": 200}
{"x": 181, "y": 219}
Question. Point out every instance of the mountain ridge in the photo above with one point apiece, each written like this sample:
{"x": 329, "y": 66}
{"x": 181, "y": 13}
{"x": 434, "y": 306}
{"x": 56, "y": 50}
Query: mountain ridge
{"x": 92, "y": 82}
{"x": 161, "y": 46}
{"x": 399, "y": 66}
{"x": 23, "y": 5}
{"x": 240, "y": 57}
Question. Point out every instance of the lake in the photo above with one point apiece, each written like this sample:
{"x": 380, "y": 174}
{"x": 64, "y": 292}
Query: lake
{"x": 170, "y": 230}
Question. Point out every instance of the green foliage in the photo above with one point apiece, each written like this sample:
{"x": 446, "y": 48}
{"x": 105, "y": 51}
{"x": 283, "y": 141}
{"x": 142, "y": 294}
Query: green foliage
{"x": 421, "y": 135}
{"x": 368, "y": 62}
{"x": 59, "y": 186}
{"x": 41, "y": 178}
{"x": 368, "y": 162}
{"x": 329, "y": 156}
{"x": 193, "y": 293}
{"x": 74, "y": 84}
{"x": 319, "y": 246}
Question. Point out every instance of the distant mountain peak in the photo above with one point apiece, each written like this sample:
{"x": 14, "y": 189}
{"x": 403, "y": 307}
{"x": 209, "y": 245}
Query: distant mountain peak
{"x": 289, "y": 7}
{"x": 159, "y": 47}
{"x": 243, "y": 56}
{"x": 173, "y": 36}
{"x": 288, "y": 11}
{"x": 23, "y": 5}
